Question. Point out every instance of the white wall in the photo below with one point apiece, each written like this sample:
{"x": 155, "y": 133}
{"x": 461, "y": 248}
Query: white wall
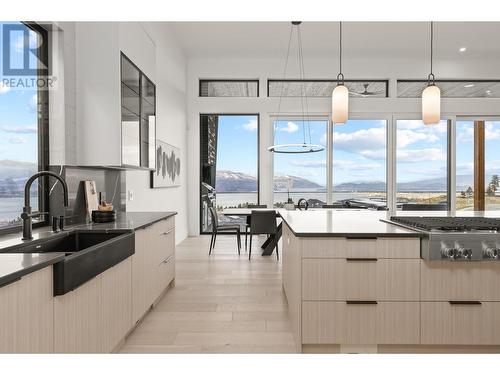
{"x": 171, "y": 127}
{"x": 359, "y": 68}
{"x": 90, "y": 101}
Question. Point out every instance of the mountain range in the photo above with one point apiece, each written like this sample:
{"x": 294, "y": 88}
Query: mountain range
{"x": 13, "y": 176}
{"x": 229, "y": 181}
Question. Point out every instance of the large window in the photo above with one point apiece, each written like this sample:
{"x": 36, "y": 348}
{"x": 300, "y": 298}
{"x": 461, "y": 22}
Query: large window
{"x": 23, "y": 118}
{"x": 421, "y": 164}
{"x": 478, "y": 165}
{"x": 229, "y": 163}
{"x": 359, "y": 162}
{"x": 300, "y": 175}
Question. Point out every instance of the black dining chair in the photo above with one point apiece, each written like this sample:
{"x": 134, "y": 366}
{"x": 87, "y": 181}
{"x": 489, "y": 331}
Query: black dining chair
{"x": 249, "y": 220}
{"x": 263, "y": 222}
{"x": 218, "y": 226}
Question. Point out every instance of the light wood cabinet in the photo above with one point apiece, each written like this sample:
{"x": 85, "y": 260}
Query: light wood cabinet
{"x": 446, "y": 281}
{"x": 26, "y": 314}
{"x": 78, "y": 324}
{"x": 367, "y": 323}
{"x": 376, "y": 247}
{"x": 153, "y": 265}
{"x": 444, "y": 323}
{"x": 8, "y": 317}
{"x": 35, "y": 323}
{"x": 116, "y": 303}
{"x": 362, "y": 279}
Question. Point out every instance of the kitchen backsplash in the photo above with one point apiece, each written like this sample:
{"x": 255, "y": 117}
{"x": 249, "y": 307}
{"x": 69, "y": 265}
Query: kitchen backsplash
{"x": 111, "y": 182}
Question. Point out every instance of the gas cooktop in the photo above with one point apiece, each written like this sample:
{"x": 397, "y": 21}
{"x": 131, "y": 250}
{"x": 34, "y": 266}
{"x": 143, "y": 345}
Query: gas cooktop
{"x": 455, "y": 238}
{"x": 448, "y": 224}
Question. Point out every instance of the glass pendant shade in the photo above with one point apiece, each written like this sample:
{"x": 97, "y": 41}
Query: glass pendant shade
{"x": 431, "y": 105}
{"x": 340, "y": 104}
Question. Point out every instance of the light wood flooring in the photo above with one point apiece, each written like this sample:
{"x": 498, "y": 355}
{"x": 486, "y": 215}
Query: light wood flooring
{"x": 222, "y": 303}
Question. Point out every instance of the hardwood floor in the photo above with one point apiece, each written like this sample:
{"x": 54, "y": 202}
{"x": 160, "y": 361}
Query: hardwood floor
{"x": 222, "y": 303}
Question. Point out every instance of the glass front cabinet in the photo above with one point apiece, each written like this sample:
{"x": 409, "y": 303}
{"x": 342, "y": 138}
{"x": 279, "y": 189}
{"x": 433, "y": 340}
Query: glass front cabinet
{"x": 138, "y": 116}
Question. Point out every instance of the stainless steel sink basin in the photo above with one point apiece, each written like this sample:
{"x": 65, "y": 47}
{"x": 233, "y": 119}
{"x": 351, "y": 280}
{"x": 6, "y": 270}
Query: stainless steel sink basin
{"x": 88, "y": 253}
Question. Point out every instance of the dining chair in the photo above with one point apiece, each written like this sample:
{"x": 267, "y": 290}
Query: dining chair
{"x": 263, "y": 222}
{"x": 249, "y": 220}
{"x": 217, "y": 227}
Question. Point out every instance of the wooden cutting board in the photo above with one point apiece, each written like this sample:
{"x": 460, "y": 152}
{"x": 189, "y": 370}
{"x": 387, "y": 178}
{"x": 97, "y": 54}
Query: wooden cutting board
{"x": 91, "y": 199}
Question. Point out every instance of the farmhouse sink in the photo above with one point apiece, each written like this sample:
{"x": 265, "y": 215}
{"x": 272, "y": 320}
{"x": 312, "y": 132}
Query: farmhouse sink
{"x": 88, "y": 254}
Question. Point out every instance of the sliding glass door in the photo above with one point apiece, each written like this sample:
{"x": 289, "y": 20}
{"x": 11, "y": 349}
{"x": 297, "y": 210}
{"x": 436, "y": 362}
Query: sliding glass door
{"x": 229, "y": 163}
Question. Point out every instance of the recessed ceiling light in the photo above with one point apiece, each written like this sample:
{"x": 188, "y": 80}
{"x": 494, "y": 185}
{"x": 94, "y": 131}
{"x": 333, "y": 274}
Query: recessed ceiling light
{"x": 463, "y": 49}
{"x": 488, "y": 92}
{"x": 469, "y": 85}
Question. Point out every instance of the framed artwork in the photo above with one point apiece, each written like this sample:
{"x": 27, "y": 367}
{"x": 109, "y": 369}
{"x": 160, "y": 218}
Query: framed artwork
{"x": 168, "y": 166}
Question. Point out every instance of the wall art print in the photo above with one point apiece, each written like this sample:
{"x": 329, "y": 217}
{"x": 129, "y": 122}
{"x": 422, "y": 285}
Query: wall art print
{"x": 168, "y": 166}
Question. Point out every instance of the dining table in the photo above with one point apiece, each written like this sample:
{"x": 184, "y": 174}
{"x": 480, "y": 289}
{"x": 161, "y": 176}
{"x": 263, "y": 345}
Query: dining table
{"x": 270, "y": 243}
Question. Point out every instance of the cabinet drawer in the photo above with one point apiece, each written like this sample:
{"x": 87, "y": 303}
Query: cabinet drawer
{"x": 444, "y": 323}
{"x": 164, "y": 245}
{"x": 166, "y": 273}
{"x": 446, "y": 281}
{"x": 361, "y": 278}
{"x": 375, "y": 323}
{"x": 369, "y": 247}
{"x": 164, "y": 225}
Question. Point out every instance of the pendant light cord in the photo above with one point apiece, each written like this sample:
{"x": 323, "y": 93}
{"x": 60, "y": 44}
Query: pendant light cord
{"x": 303, "y": 93}
{"x": 340, "y": 76}
{"x": 431, "y": 75}
{"x": 284, "y": 77}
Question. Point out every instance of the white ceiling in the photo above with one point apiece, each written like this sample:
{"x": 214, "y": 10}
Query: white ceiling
{"x": 320, "y": 39}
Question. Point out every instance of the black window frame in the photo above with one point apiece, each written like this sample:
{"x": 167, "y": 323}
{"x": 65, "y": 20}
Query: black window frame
{"x": 42, "y": 133}
{"x": 386, "y": 81}
{"x": 202, "y": 80}
{"x": 200, "y": 210}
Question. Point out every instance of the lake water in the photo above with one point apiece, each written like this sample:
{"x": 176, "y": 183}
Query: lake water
{"x": 11, "y": 208}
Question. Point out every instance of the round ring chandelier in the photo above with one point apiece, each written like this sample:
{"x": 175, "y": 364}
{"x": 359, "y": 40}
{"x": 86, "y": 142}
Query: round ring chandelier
{"x": 307, "y": 146}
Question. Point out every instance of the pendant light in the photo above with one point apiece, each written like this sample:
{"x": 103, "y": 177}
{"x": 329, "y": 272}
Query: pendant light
{"x": 431, "y": 96}
{"x": 306, "y": 146}
{"x": 340, "y": 94}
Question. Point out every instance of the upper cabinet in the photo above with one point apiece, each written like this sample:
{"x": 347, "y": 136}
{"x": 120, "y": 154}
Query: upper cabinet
{"x": 115, "y": 95}
{"x": 138, "y": 113}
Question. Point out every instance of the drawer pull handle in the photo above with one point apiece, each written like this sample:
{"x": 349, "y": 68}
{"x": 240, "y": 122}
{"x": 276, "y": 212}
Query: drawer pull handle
{"x": 465, "y": 302}
{"x": 361, "y": 238}
{"x": 167, "y": 232}
{"x": 361, "y": 259}
{"x": 168, "y": 259}
{"x": 361, "y": 302}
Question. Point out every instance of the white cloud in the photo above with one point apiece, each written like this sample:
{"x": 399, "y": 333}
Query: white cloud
{"x": 17, "y": 140}
{"x": 369, "y": 143}
{"x": 407, "y": 137}
{"x": 290, "y": 127}
{"x": 250, "y": 125}
{"x": 23, "y": 129}
{"x": 420, "y": 155}
{"x": 3, "y": 88}
{"x": 465, "y": 168}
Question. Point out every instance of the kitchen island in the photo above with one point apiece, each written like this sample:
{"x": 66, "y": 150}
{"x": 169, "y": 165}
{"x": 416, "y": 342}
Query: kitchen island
{"x": 357, "y": 284}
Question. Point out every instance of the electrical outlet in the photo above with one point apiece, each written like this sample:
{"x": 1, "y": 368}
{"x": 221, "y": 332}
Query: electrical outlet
{"x": 130, "y": 194}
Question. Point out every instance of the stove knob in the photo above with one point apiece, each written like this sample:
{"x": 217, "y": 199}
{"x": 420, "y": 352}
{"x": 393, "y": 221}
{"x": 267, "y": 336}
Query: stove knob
{"x": 464, "y": 253}
{"x": 490, "y": 253}
{"x": 448, "y": 252}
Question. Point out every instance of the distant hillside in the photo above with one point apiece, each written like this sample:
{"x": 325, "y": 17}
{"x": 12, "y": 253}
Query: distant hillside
{"x": 13, "y": 176}
{"x": 229, "y": 181}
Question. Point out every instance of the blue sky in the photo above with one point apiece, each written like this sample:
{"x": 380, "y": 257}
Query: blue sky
{"x": 18, "y": 117}
{"x": 237, "y": 144}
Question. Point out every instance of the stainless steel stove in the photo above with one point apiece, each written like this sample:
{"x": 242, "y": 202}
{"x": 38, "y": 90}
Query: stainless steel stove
{"x": 455, "y": 238}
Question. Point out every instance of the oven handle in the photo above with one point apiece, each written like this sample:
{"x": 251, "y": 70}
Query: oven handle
{"x": 465, "y": 302}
